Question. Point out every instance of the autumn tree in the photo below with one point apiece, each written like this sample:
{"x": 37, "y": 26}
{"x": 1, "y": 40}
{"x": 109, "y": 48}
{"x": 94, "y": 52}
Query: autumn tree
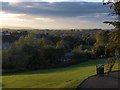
{"x": 114, "y": 41}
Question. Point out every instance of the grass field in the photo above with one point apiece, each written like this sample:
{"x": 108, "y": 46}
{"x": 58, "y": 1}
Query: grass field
{"x": 68, "y": 77}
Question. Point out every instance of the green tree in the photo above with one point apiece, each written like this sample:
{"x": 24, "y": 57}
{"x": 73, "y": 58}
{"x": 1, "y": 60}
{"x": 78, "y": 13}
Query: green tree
{"x": 29, "y": 39}
{"x": 60, "y": 44}
{"x": 100, "y": 48}
{"x": 99, "y": 51}
{"x": 102, "y": 37}
{"x": 114, "y": 44}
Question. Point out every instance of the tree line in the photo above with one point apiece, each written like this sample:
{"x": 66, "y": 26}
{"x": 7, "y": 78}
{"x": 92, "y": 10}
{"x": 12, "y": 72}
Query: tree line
{"x": 30, "y": 52}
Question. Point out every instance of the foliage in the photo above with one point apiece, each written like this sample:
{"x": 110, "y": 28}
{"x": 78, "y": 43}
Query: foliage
{"x": 30, "y": 53}
{"x": 102, "y": 37}
{"x": 99, "y": 50}
{"x": 60, "y": 44}
{"x": 117, "y": 8}
{"x": 110, "y": 64}
{"x": 110, "y": 41}
{"x": 80, "y": 54}
{"x": 113, "y": 45}
{"x": 89, "y": 39}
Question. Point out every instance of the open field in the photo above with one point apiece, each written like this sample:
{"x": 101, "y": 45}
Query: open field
{"x": 68, "y": 77}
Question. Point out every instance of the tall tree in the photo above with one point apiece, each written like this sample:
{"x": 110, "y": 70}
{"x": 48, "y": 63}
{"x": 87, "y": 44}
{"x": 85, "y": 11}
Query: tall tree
{"x": 102, "y": 37}
{"x": 114, "y": 41}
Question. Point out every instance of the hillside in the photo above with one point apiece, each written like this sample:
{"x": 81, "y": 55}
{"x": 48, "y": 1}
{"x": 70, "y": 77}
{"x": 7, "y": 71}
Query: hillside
{"x": 68, "y": 77}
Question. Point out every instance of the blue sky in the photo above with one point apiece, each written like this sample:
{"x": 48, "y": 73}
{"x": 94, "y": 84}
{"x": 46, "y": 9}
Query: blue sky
{"x": 55, "y": 15}
{"x": 50, "y": 0}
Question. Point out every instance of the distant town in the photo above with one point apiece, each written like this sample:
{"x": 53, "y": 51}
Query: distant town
{"x": 9, "y": 36}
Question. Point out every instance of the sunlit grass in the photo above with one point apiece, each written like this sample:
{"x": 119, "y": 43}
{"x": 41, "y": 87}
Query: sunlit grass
{"x": 68, "y": 77}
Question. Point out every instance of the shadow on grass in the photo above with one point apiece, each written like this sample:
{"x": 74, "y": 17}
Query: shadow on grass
{"x": 53, "y": 70}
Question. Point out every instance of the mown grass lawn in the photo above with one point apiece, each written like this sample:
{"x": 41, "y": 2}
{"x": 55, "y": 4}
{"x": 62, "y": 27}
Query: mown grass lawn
{"x": 68, "y": 77}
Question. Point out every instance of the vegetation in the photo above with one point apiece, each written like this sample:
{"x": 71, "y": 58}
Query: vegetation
{"x": 38, "y": 51}
{"x": 30, "y": 52}
{"x": 109, "y": 41}
{"x": 113, "y": 46}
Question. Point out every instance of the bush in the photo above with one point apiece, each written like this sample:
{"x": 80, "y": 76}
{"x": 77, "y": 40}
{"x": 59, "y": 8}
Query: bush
{"x": 99, "y": 51}
{"x": 81, "y": 55}
{"x": 6, "y": 63}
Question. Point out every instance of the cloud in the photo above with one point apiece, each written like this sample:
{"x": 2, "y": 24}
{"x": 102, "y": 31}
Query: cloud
{"x": 57, "y": 14}
{"x": 44, "y": 19}
{"x": 10, "y": 16}
{"x": 58, "y": 9}
{"x": 50, "y": 0}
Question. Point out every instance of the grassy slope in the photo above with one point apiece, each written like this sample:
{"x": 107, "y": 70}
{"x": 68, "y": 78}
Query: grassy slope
{"x": 69, "y": 77}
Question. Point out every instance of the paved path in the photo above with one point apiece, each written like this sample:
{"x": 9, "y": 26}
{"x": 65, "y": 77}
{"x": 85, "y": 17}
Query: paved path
{"x": 106, "y": 81}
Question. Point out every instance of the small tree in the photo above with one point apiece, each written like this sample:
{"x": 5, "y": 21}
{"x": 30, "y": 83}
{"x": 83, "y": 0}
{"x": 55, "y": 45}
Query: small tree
{"x": 114, "y": 43}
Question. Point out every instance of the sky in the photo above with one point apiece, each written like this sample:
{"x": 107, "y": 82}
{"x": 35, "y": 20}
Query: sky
{"x": 55, "y": 14}
{"x": 50, "y": 0}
